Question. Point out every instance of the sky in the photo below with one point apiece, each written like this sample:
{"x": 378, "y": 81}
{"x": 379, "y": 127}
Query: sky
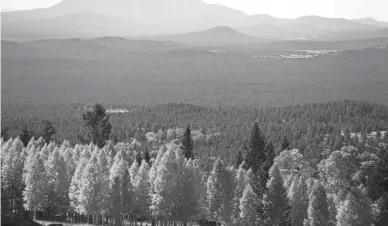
{"x": 350, "y": 9}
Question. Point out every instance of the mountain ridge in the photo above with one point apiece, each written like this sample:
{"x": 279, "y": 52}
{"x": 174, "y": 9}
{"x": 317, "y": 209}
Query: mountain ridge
{"x": 131, "y": 18}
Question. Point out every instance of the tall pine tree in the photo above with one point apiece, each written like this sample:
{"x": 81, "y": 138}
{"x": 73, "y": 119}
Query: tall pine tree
{"x": 256, "y": 155}
{"x": 285, "y": 144}
{"x": 187, "y": 144}
{"x": 97, "y": 122}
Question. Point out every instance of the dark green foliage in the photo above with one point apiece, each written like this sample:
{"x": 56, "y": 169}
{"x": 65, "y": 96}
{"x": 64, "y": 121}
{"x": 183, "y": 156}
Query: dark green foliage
{"x": 270, "y": 157}
{"x": 25, "y": 137}
{"x": 270, "y": 153}
{"x": 138, "y": 158}
{"x": 239, "y": 159}
{"x": 98, "y": 125}
{"x": 147, "y": 156}
{"x": 4, "y": 133}
{"x": 48, "y": 131}
{"x": 187, "y": 144}
{"x": 285, "y": 144}
{"x": 255, "y": 156}
{"x": 285, "y": 219}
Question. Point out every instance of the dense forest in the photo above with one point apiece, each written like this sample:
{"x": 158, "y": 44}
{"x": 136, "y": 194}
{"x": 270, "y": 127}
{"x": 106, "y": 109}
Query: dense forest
{"x": 315, "y": 126}
{"x": 312, "y": 164}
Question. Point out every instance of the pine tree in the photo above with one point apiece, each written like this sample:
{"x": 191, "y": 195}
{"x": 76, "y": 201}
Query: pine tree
{"x": 256, "y": 155}
{"x": 147, "y": 157}
{"x": 275, "y": 200}
{"x": 285, "y": 144}
{"x": 187, "y": 144}
{"x": 97, "y": 122}
{"x": 4, "y": 133}
{"x": 48, "y": 131}
{"x": 239, "y": 159}
{"x": 25, "y": 137}
{"x": 248, "y": 207}
{"x": 318, "y": 210}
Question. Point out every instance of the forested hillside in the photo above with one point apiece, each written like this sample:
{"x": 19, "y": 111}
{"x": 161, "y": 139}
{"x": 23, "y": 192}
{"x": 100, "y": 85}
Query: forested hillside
{"x": 315, "y": 126}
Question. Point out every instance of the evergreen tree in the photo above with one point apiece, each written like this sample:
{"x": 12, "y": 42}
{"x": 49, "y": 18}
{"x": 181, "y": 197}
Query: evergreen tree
{"x": 48, "y": 131}
{"x": 256, "y": 155}
{"x": 239, "y": 159}
{"x": 4, "y": 133}
{"x": 25, "y": 137}
{"x": 285, "y": 144}
{"x": 147, "y": 156}
{"x": 138, "y": 158}
{"x": 98, "y": 125}
{"x": 318, "y": 210}
{"x": 187, "y": 144}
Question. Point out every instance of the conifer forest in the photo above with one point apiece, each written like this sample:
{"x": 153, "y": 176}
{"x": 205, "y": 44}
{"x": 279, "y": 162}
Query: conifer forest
{"x": 194, "y": 113}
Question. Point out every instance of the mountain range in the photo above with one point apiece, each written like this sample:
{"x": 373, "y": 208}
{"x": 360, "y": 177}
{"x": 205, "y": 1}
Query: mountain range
{"x": 190, "y": 21}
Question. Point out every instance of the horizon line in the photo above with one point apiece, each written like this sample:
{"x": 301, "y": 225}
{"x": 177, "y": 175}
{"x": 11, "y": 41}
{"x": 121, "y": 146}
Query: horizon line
{"x": 5, "y": 10}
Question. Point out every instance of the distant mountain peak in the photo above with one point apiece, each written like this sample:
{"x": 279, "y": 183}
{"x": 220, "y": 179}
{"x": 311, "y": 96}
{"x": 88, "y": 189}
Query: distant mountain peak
{"x": 222, "y": 29}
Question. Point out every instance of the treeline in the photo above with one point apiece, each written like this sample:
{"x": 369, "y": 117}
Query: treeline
{"x": 311, "y": 127}
{"x": 117, "y": 183}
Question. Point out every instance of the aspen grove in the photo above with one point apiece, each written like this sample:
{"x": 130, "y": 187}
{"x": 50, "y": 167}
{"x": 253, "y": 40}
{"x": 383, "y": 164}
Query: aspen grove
{"x": 116, "y": 184}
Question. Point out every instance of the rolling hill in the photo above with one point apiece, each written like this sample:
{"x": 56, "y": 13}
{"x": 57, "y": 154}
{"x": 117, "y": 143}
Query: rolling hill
{"x": 133, "y": 18}
{"x": 217, "y": 36}
{"x": 112, "y": 17}
{"x": 371, "y": 21}
{"x": 309, "y": 28}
